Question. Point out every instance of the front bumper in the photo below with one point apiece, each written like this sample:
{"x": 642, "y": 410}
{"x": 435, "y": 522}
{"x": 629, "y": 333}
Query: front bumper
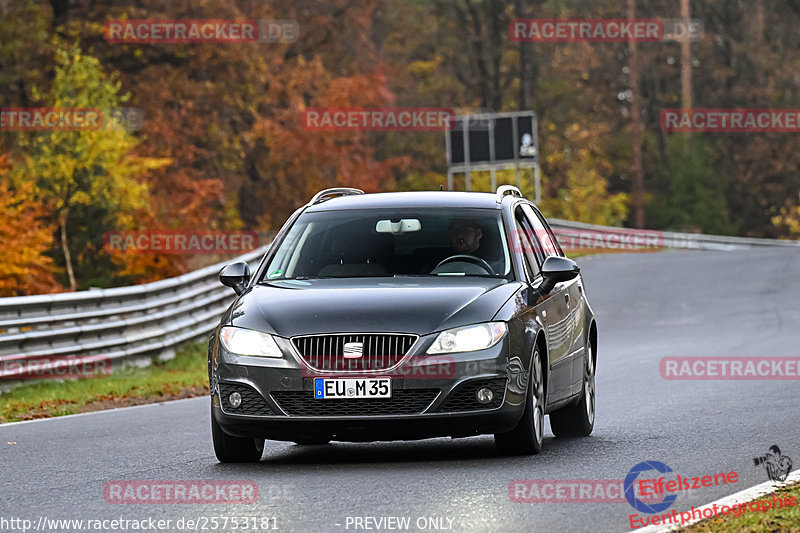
{"x": 432, "y": 396}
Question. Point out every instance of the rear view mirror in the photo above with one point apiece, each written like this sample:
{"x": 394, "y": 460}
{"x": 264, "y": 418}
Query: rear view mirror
{"x": 405, "y": 225}
{"x": 236, "y": 276}
{"x": 556, "y": 269}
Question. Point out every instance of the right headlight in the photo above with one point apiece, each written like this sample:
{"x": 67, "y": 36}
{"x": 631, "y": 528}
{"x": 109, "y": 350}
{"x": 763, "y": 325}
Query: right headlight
{"x": 468, "y": 338}
{"x": 243, "y": 341}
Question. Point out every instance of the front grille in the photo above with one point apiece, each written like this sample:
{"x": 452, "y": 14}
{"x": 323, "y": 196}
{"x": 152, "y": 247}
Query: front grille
{"x": 402, "y": 402}
{"x": 464, "y": 399}
{"x": 328, "y": 353}
{"x": 252, "y": 402}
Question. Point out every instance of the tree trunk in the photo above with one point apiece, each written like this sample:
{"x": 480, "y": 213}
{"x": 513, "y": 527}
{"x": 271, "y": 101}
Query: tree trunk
{"x": 73, "y": 285}
{"x": 527, "y": 64}
{"x": 759, "y": 47}
{"x": 686, "y": 68}
{"x": 636, "y": 128}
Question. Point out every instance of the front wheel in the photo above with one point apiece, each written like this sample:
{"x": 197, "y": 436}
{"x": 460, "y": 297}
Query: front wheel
{"x": 578, "y": 420}
{"x": 526, "y": 438}
{"x": 231, "y": 449}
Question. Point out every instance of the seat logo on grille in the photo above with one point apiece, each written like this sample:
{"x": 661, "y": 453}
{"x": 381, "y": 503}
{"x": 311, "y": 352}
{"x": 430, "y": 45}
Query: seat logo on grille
{"x": 353, "y": 350}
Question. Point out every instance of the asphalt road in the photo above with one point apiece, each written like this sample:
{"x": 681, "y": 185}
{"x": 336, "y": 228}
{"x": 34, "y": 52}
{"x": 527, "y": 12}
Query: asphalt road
{"x": 648, "y": 306}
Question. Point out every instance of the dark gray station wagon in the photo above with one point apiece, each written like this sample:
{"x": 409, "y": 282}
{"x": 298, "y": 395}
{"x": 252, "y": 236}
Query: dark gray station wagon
{"x": 399, "y": 316}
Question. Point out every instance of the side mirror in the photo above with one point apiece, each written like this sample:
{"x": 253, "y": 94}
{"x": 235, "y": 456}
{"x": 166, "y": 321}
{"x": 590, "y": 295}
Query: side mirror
{"x": 236, "y": 276}
{"x": 555, "y": 270}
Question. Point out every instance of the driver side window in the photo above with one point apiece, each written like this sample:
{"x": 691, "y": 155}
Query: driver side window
{"x": 549, "y": 244}
{"x": 526, "y": 244}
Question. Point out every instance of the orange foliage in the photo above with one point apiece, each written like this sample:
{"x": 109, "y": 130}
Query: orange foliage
{"x": 24, "y": 239}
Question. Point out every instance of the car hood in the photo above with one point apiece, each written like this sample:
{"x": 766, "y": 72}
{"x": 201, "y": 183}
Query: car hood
{"x": 418, "y": 305}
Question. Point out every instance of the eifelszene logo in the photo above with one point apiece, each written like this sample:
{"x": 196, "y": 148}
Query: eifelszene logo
{"x": 777, "y": 465}
{"x": 638, "y": 504}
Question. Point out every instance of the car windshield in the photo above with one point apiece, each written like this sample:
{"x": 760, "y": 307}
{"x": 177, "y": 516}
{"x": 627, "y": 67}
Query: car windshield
{"x": 393, "y": 242}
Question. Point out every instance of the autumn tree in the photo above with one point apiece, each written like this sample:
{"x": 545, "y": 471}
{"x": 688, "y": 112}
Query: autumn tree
{"x": 25, "y": 268}
{"x": 83, "y": 176}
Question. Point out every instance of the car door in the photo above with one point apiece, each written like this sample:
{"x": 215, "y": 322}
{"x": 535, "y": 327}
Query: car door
{"x": 572, "y": 293}
{"x": 552, "y": 311}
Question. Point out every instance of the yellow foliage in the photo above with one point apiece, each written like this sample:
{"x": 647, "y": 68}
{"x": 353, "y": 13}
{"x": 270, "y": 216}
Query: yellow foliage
{"x": 585, "y": 198}
{"x": 789, "y": 220}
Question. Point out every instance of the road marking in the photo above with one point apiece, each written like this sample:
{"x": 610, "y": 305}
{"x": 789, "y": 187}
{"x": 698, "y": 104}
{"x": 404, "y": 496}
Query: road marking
{"x": 114, "y": 410}
{"x": 742, "y": 496}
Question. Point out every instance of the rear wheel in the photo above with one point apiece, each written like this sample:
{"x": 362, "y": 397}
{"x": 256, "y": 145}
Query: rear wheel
{"x": 231, "y": 449}
{"x": 526, "y": 438}
{"x": 578, "y": 420}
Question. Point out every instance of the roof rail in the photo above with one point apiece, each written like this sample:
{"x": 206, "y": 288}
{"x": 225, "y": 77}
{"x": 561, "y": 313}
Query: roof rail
{"x": 327, "y": 194}
{"x": 503, "y": 189}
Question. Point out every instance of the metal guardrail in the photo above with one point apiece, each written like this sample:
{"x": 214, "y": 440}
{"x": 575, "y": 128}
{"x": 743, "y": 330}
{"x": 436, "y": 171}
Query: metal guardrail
{"x": 67, "y": 329}
{"x": 152, "y": 319}
{"x": 676, "y": 241}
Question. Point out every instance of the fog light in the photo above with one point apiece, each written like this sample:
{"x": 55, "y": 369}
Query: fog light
{"x": 235, "y": 399}
{"x": 485, "y": 395}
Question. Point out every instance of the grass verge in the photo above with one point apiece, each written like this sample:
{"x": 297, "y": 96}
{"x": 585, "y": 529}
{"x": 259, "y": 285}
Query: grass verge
{"x": 784, "y": 520}
{"x": 184, "y": 376}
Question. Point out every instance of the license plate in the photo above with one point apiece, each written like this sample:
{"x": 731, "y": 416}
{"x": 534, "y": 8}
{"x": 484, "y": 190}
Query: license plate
{"x": 344, "y": 388}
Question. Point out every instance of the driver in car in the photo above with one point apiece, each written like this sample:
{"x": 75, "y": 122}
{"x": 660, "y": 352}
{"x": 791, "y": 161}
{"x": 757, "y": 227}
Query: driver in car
{"x": 465, "y": 239}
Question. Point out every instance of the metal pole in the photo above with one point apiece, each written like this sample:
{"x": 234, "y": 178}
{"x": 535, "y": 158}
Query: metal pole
{"x": 516, "y": 141}
{"x": 493, "y": 186}
{"x": 537, "y": 177}
{"x": 465, "y": 133}
{"x": 447, "y": 146}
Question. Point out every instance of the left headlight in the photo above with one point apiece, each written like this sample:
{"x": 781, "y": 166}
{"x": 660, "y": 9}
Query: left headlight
{"x": 249, "y": 342}
{"x": 468, "y": 338}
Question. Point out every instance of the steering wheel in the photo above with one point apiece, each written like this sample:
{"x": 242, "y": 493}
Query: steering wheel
{"x": 469, "y": 259}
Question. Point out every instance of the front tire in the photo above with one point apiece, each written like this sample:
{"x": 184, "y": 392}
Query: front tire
{"x": 578, "y": 420}
{"x": 526, "y": 438}
{"x": 229, "y": 449}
